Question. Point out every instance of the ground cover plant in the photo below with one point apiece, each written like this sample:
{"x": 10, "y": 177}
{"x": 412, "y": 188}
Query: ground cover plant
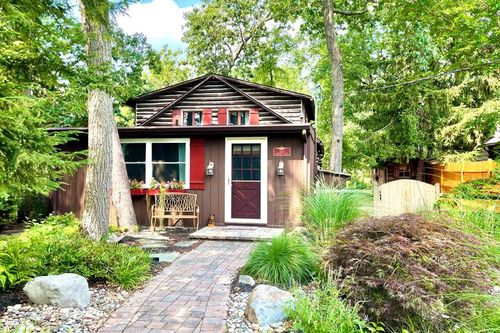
{"x": 416, "y": 274}
{"x": 56, "y": 246}
{"x": 323, "y": 311}
{"x": 284, "y": 260}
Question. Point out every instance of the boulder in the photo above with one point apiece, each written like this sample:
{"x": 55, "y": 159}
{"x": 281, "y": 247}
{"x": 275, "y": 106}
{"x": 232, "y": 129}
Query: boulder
{"x": 266, "y": 305}
{"x": 246, "y": 282}
{"x": 67, "y": 290}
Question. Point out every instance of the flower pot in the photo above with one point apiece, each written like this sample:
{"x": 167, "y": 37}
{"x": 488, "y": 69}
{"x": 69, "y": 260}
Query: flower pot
{"x": 177, "y": 191}
{"x": 137, "y": 191}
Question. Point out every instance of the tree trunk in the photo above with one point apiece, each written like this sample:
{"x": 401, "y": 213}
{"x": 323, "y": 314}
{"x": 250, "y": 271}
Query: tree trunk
{"x": 337, "y": 87}
{"x": 122, "y": 201}
{"x": 95, "y": 219}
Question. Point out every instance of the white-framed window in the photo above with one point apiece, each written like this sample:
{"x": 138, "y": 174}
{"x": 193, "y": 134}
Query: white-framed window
{"x": 238, "y": 118}
{"x": 192, "y": 118}
{"x": 163, "y": 159}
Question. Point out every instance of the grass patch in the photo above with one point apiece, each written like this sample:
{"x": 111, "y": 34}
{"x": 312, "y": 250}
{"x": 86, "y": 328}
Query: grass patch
{"x": 323, "y": 311}
{"x": 411, "y": 273}
{"x": 56, "y": 246}
{"x": 326, "y": 210}
{"x": 284, "y": 260}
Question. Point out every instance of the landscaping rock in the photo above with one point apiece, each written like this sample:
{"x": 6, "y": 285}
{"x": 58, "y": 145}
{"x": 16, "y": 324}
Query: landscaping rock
{"x": 246, "y": 282}
{"x": 266, "y": 305}
{"x": 66, "y": 290}
{"x": 49, "y": 318}
{"x": 165, "y": 256}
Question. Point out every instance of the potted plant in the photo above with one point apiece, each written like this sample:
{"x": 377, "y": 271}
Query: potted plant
{"x": 137, "y": 187}
{"x": 154, "y": 187}
{"x": 175, "y": 186}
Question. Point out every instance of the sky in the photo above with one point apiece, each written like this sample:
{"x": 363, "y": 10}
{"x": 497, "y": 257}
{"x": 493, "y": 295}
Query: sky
{"x": 161, "y": 21}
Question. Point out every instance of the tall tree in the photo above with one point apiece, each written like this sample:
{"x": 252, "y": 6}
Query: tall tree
{"x": 334, "y": 54}
{"x": 95, "y": 219}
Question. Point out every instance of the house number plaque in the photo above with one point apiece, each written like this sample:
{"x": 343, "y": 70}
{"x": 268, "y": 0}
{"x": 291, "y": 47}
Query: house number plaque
{"x": 282, "y": 151}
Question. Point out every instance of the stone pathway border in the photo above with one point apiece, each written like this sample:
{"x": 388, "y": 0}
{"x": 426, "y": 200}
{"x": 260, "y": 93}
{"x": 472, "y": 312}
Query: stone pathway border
{"x": 191, "y": 295}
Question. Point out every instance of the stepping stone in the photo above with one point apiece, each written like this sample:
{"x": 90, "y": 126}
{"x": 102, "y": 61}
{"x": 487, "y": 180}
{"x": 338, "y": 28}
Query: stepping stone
{"x": 165, "y": 256}
{"x": 154, "y": 246}
{"x": 186, "y": 243}
{"x": 149, "y": 235}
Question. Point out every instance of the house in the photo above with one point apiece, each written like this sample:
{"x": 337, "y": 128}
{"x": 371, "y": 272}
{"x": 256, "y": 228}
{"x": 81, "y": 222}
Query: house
{"x": 247, "y": 150}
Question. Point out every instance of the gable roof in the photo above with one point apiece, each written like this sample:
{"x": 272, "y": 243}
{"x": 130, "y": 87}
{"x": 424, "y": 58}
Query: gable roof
{"x": 234, "y": 84}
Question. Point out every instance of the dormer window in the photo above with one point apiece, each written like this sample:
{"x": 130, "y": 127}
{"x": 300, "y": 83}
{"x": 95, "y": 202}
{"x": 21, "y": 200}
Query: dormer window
{"x": 192, "y": 118}
{"x": 238, "y": 118}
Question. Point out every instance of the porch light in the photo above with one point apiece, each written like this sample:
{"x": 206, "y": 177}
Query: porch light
{"x": 210, "y": 169}
{"x": 281, "y": 168}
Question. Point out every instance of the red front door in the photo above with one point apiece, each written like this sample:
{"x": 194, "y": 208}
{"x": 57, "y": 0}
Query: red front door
{"x": 245, "y": 181}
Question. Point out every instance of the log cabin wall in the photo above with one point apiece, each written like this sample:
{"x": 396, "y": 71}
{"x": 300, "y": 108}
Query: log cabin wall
{"x": 215, "y": 95}
{"x": 284, "y": 192}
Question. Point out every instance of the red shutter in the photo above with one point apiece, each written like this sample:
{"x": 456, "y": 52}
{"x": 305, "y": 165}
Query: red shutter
{"x": 176, "y": 118}
{"x": 197, "y": 161}
{"x": 222, "y": 117}
{"x": 207, "y": 117}
{"x": 254, "y": 116}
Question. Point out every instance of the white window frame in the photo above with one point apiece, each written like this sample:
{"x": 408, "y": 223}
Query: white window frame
{"x": 228, "y": 117}
{"x": 201, "y": 119}
{"x": 149, "y": 156}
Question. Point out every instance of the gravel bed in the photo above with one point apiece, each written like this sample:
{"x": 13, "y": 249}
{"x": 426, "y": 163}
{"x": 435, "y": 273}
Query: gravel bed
{"x": 236, "y": 322}
{"x": 47, "y": 318}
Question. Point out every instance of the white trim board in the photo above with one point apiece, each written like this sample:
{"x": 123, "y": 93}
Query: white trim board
{"x": 263, "y": 180}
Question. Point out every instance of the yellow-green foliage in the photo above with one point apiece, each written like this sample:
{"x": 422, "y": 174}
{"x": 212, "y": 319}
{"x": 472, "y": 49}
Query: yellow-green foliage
{"x": 56, "y": 246}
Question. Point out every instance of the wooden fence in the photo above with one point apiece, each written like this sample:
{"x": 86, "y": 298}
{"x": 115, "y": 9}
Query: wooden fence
{"x": 450, "y": 175}
{"x": 404, "y": 196}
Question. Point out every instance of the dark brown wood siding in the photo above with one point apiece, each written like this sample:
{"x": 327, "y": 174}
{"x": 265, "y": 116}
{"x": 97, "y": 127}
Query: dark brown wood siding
{"x": 284, "y": 192}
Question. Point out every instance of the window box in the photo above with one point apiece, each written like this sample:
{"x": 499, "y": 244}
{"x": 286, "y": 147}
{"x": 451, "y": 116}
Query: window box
{"x": 137, "y": 191}
{"x": 153, "y": 192}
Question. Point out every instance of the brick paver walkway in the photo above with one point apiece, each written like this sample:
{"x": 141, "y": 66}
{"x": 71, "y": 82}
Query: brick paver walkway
{"x": 188, "y": 296}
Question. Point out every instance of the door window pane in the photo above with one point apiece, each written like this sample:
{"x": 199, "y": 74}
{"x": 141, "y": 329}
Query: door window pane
{"x": 134, "y": 152}
{"x": 246, "y": 161}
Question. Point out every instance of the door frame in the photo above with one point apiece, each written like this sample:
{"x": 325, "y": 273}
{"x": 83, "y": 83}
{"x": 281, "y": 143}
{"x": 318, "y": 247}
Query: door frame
{"x": 263, "y": 179}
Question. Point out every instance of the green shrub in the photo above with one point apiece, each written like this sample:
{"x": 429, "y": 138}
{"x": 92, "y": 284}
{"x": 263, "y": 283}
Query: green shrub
{"x": 324, "y": 312}
{"x": 284, "y": 260}
{"x": 408, "y": 272}
{"x": 326, "y": 210}
{"x": 56, "y": 246}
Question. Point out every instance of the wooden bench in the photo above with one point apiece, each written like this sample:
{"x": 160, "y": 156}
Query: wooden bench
{"x": 178, "y": 206}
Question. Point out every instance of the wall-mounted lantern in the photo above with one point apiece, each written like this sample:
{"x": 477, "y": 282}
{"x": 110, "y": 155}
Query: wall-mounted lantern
{"x": 210, "y": 169}
{"x": 281, "y": 168}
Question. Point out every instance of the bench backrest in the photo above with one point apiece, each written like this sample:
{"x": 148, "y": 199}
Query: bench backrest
{"x": 180, "y": 202}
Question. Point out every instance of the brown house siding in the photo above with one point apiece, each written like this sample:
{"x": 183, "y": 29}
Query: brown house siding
{"x": 284, "y": 192}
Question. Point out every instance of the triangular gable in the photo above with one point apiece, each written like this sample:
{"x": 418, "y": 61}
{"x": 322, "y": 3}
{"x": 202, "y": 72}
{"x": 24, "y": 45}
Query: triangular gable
{"x": 182, "y": 100}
